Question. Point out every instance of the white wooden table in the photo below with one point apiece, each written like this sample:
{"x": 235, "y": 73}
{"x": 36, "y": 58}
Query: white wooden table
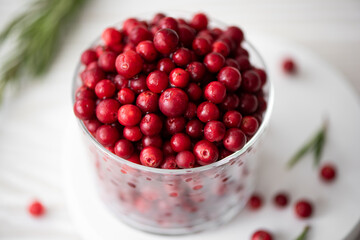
{"x": 31, "y": 126}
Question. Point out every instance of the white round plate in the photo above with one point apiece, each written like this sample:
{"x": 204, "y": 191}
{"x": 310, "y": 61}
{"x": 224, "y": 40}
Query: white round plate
{"x": 302, "y": 101}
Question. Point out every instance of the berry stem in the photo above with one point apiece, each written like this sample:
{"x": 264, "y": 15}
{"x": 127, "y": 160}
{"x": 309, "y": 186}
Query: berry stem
{"x": 304, "y": 233}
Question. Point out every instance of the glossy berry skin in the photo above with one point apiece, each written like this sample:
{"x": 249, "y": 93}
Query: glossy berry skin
{"x": 261, "y": 235}
{"x": 180, "y": 142}
{"x": 235, "y": 33}
{"x": 138, "y": 84}
{"x": 221, "y": 47}
{"x": 139, "y": 34}
{"x": 92, "y": 76}
{"x": 191, "y": 111}
{"x": 147, "y": 50}
{"x": 185, "y": 159}
{"x": 232, "y": 119}
{"x": 129, "y": 115}
{"x": 155, "y": 141}
{"x": 234, "y": 139}
{"x": 230, "y": 77}
{"x": 169, "y": 163}
{"x": 129, "y": 64}
{"x": 175, "y": 125}
{"x": 111, "y": 36}
{"x": 167, "y": 150}
{"x": 151, "y": 156}
{"x": 248, "y": 103}
{"x": 121, "y": 82}
{"x": 36, "y": 209}
{"x": 201, "y": 46}
{"x": 157, "y": 81}
{"x": 179, "y": 78}
{"x": 107, "y": 60}
{"x": 199, "y": 21}
{"x": 231, "y": 102}
{"x": 84, "y": 109}
{"x": 328, "y": 172}
{"x": 151, "y": 124}
{"x": 196, "y": 70}
{"x": 92, "y": 125}
{"x": 255, "y": 202}
{"x": 88, "y": 56}
{"x": 289, "y": 66}
{"x": 214, "y": 62}
{"x": 207, "y": 111}
{"x": 168, "y": 23}
{"x": 205, "y": 152}
{"x": 105, "y": 89}
{"x": 281, "y": 200}
{"x": 214, "y": 131}
{"x": 194, "y": 128}
{"x": 84, "y": 93}
{"x": 262, "y": 74}
{"x": 249, "y": 125}
{"x": 107, "y": 111}
{"x": 194, "y": 91}
{"x": 182, "y": 57}
{"x": 244, "y": 63}
{"x": 165, "y": 65}
{"x": 186, "y": 35}
{"x": 132, "y": 134}
{"x": 124, "y": 148}
{"x": 251, "y": 81}
{"x": 166, "y": 41}
{"x": 107, "y": 135}
{"x": 303, "y": 209}
{"x": 215, "y": 92}
{"x": 173, "y": 102}
{"x": 126, "y": 96}
{"x": 147, "y": 102}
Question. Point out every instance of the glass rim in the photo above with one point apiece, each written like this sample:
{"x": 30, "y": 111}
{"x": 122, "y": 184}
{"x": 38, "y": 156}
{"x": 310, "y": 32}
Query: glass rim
{"x": 218, "y": 163}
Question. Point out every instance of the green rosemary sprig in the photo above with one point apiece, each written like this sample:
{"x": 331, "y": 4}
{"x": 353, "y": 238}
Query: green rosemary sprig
{"x": 316, "y": 144}
{"x": 304, "y": 233}
{"x": 36, "y": 32}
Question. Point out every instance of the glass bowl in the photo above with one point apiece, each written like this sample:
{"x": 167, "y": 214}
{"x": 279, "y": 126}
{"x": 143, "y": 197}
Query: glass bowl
{"x": 180, "y": 201}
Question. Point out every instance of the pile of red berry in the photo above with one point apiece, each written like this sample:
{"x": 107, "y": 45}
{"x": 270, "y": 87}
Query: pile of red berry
{"x": 171, "y": 93}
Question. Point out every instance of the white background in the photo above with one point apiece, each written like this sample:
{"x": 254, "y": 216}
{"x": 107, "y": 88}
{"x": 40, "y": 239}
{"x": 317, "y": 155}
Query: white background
{"x": 31, "y": 123}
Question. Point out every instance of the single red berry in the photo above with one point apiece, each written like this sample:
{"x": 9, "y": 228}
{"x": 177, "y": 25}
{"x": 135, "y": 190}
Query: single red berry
{"x": 147, "y": 50}
{"x": 303, "y": 208}
{"x": 173, "y": 102}
{"x": 214, "y": 61}
{"x": 182, "y": 57}
{"x": 214, "y": 131}
{"x": 169, "y": 163}
{"x": 194, "y": 91}
{"x": 175, "y": 125}
{"x": 129, "y": 64}
{"x": 121, "y": 82}
{"x": 201, "y": 46}
{"x": 231, "y": 102}
{"x": 180, "y": 142}
{"x": 88, "y": 56}
{"x": 92, "y": 125}
{"x": 132, "y": 134}
{"x": 129, "y": 115}
{"x": 139, "y": 34}
{"x": 249, "y": 125}
{"x": 179, "y": 78}
{"x": 151, "y": 124}
{"x": 166, "y": 41}
{"x": 84, "y": 93}
{"x": 215, "y": 92}
{"x": 186, "y": 35}
{"x": 230, "y": 77}
{"x": 124, "y": 148}
{"x": 244, "y": 63}
{"x": 221, "y": 47}
{"x": 84, "y": 109}
{"x": 185, "y": 159}
{"x": 92, "y": 76}
{"x": 251, "y": 81}
{"x": 191, "y": 111}
{"x": 205, "y": 152}
{"x": 234, "y": 139}
{"x": 168, "y": 23}
{"x": 129, "y": 24}
{"x": 281, "y": 200}
{"x": 261, "y": 235}
{"x": 199, "y": 21}
{"x": 105, "y": 89}
{"x": 232, "y": 119}
{"x": 147, "y": 102}
{"x": 107, "y": 135}
{"x": 138, "y": 84}
{"x": 328, "y": 172}
{"x": 167, "y": 150}
{"x": 262, "y": 74}
{"x": 248, "y": 103}
{"x": 107, "y": 111}
{"x": 234, "y": 33}
{"x": 196, "y": 70}
{"x": 155, "y": 141}
{"x": 151, "y": 156}
{"x": 111, "y": 36}
{"x": 36, "y": 209}
{"x": 107, "y": 60}
{"x": 157, "y": 81}
{"x": 194, "y": 128}
{"x": 289, "y": 66}
{"x": 126, "y": 96}
{"x": 207, "y": 111}
{"x": 165, "y": 65}
{"x": 157, "y": 18}
{"x": 255, "y": 202}
{"x": 230, "y": 62}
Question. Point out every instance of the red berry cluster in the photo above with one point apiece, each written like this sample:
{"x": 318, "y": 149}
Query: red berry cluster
{"x": 171, "y": 93}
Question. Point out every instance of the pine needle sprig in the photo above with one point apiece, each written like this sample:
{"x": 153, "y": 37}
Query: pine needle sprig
{"x": 303, "y": 234}
{"x": 37, "y": 33}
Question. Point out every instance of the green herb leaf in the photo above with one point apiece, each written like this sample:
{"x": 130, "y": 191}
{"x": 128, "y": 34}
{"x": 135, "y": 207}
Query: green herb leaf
{"x": 316, "y": 144}
{"x": 304, "y": 233}
{"x": 36, "y": 33}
